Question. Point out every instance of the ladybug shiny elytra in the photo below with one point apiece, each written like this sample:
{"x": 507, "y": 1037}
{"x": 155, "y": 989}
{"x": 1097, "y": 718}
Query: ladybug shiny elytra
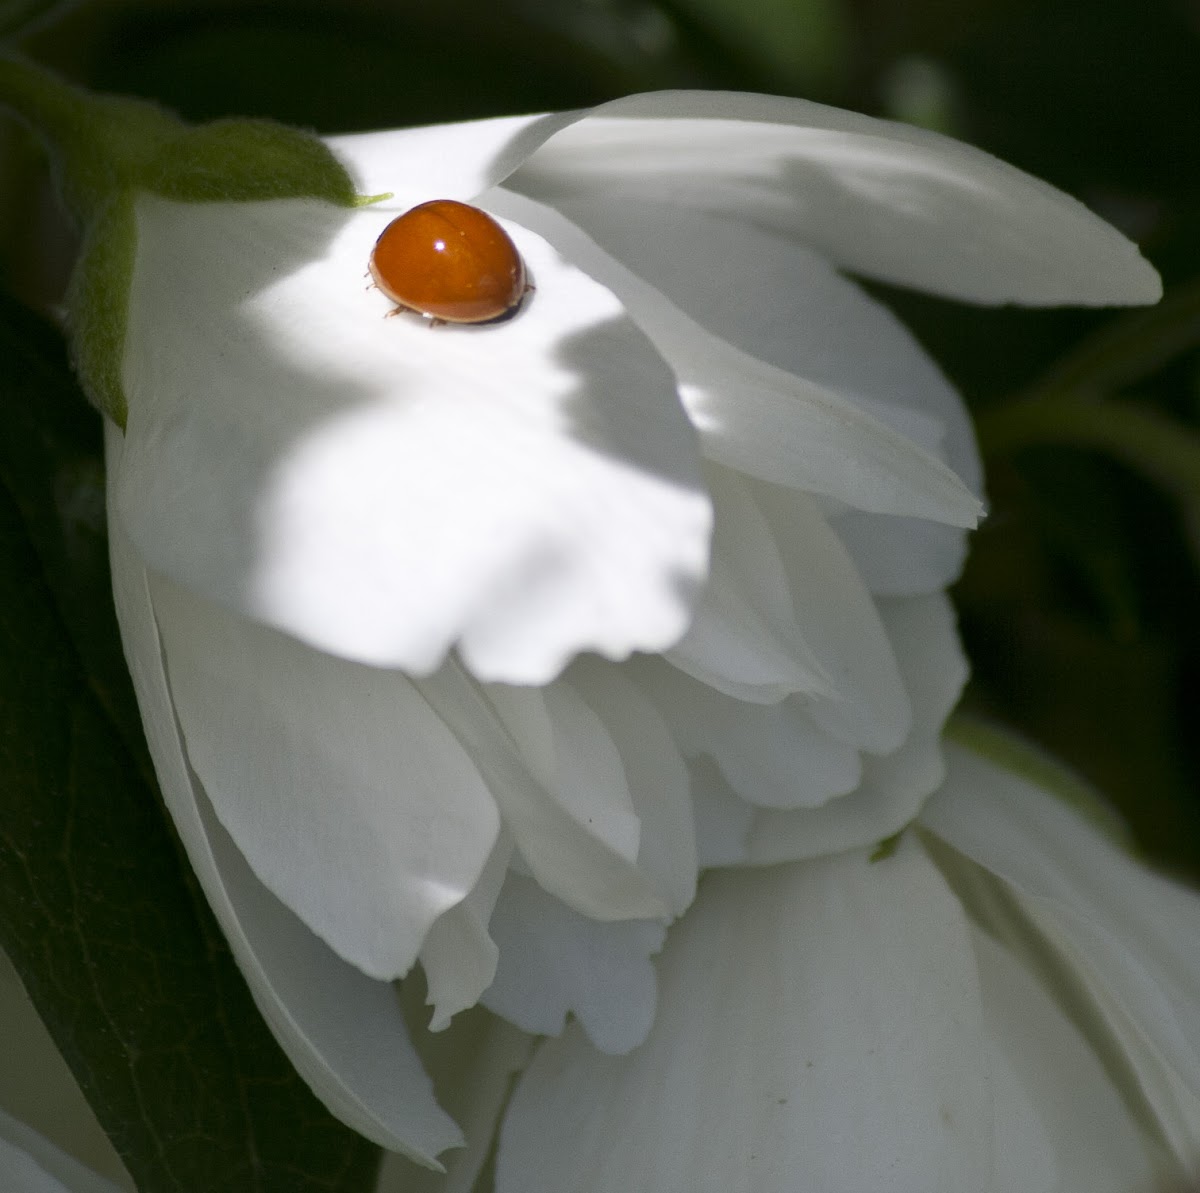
{"x": 450, "y": 262}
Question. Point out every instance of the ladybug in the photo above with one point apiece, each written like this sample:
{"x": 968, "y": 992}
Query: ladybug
{"x": 450, "y": 262}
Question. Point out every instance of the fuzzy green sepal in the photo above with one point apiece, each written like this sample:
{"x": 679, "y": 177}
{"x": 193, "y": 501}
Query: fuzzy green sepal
{"x": 97, "y": 144}
{"x": 241, "y": 161}
{"x": 98, "y": 299}
{"x": 106, "y": 150}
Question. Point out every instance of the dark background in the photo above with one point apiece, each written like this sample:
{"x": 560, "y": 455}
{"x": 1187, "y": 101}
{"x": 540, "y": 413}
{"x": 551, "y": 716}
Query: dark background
{"x": 1081, "y": 605}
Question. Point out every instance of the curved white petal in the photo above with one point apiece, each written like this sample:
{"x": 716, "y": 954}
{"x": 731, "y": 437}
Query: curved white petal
{"x": 758, "y": 418}
{"x": 724, "y": 820}
{"x": 923, "y": 632}
{"x": 459, "y": 956}
{"x": 342, "y": 1030}
{"x": 595, "y": 874}
{"x": 795, "y": 311}
{"x": 1061, "y": 1125}
{"x": 555, "y": 962}
{"x": 729, "y": 648}
{"x": 782, "y": 759}
{"x": 820, "y": 1019}
{"x": 570, "y": 753}
{"x": 744, "y": 639}
{"x": 349, "y": 796}
{"x": 786, "y": 305}
{"x": 886, "y": 200}
{"x": 893, "y": 787}
{"x": 901, "y": 557}
{"x": 656, "y": 774}
{"x": 441, "y": 161}
{"x": 786, "y": 612}
{"x": 30, "y": 1163}
{"x": 384, "y": 490}
{"x": 772, "y": 755}
{"x": 1126, "y": 941}
{"x": 472, "y": 1064}
{"x": 868, "y": 706}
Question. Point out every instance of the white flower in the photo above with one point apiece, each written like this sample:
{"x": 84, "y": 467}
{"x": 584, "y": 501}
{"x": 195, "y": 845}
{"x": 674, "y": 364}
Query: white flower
{"x": 380, "y": 584}
{"x": 1007, "y": 1004}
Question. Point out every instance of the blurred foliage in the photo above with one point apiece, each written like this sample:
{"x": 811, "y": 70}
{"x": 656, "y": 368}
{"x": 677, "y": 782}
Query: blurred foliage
{"x": 20, "y": 16}
{"x": 1080, "y": 604}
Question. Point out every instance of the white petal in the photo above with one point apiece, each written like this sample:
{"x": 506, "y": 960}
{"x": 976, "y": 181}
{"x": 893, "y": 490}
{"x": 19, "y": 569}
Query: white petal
{"x": 785, "y": 611}
{"x": 555, "y": 962}
{"x": 723, "y": 819}
{"x": 760, "y": 419}
{"x": 1126, "y": 942}
{"x": 656, "y": 774}
{"x": 472, "y": 1065}
{"x": 785, "y": 305}
{"x": 901, "y": 557}
{"x": 802, "y": 316}
{"x": 441, "y": 161}
{"x": 783, "y": 756}
{"x": 923, "y": 633}
{"x": 1061, "y": 1125}
{"x": 384, "y": 490}
{"x": 459, "y": 956}
{"x": 744, "y": 639}
{"x": 41, "y": 1103}
{"x": 342, "y": 1030}
{"x": 819, "y": 1019}
{"x": 570, "y": 753}
{"x": 563, "y": 852}
{"x": 887, "y": 200}
{"x": 894, "y": 786}
{"x": 868, "y": 706}
{"x": 351, "y": 799}
{"x": 772, "y": 755}
{"x": 30, "y": 1163}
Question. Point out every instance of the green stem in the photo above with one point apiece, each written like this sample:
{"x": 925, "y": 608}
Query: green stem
{"x": 94, "y": 141}
{"x": 1128, "y": 348}
{"x": 1140, "y": 437}
{"x": 47, "y": 103}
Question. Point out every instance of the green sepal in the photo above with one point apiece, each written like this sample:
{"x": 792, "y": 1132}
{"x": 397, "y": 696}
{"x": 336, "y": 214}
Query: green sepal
{"x": 107, "y": 150}
{"x": 98, "y": 299}
{"x": 242, "y": 161}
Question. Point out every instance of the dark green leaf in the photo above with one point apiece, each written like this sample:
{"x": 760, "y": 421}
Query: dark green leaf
{"x": 51, "y": 461}
{"x": 123, "y": 962}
